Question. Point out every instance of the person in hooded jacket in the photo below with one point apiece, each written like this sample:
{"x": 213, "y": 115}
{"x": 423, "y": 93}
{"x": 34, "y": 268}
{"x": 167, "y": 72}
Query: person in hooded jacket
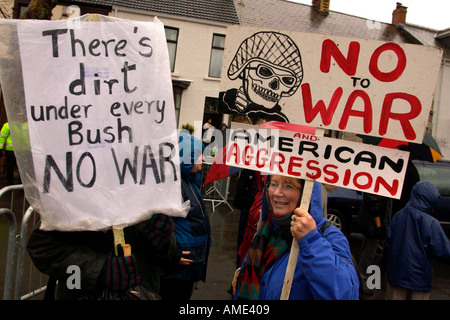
{"x": 193, "y": 233}
{"x": 413, "y": 240}
{"x": 101, "y": 270}
{"x": 324, "y": 269}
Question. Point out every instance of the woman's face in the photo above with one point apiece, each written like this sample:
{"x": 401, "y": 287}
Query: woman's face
{"x": 198, "y": 165}
{"x": 283, "y": 196}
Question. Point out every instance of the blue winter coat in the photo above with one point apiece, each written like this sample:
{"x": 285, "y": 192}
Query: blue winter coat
{"x": 193, "y": 233}
{"x": 414, "y": 239}
{"x": 324, "y": 267}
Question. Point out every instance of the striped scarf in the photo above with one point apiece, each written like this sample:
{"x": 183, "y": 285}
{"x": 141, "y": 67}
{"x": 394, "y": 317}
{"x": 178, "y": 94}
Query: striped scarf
{"x": 271, "y": 241}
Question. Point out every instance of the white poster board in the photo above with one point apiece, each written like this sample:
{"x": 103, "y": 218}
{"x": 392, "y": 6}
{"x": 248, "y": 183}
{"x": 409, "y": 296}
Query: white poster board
{"x": 100, "y": 117}
{"x": 341, "y": 163}
{"x": 356, "y": 85}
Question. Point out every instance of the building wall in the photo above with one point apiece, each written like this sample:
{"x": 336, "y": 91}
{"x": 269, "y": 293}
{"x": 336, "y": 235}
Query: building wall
{"x": 191, "y": 64}
{"x": 441, "y": 115}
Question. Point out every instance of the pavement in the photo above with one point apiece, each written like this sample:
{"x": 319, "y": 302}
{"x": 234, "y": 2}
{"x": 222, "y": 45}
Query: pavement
{"x": 222, "y": 259}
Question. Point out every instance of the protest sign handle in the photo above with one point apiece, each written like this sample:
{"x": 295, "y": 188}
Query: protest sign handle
{"x": 119, "y": 241}
{"x": 120, "y": 247}
{"x": 293, "y": 256}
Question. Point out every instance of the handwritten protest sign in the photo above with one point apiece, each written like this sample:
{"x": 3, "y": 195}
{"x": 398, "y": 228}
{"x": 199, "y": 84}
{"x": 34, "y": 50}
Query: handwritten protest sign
{"x": 363, "y": 86}
{"x": 341, "y": 163}
{"x": 100, "y": 116}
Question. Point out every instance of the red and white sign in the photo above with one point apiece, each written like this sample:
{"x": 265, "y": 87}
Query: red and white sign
{"x": 356, "y": 85}
{"x": 341, "y": 163}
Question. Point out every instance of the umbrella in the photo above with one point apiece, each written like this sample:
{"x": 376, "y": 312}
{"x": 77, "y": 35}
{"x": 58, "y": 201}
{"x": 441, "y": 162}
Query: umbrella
{"x": 219, "y": 170}
{"x": 428, "y": 150}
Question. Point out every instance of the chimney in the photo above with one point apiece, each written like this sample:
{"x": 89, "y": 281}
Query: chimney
{"x": 322, "y": 5}
{"x": 399, "y": 14}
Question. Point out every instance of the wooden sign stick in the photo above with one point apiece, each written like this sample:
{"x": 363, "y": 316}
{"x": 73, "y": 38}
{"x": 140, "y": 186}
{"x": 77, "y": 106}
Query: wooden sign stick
{"x": 293, "y": 256}
{"x": 119, "y": 238}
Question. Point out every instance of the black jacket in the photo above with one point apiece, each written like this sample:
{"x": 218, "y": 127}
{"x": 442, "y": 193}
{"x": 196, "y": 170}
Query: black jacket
{"x": 53, "y": 252}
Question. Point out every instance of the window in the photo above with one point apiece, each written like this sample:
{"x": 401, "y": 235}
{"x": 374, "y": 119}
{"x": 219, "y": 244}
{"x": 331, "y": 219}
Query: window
{"x": 211, "y": 104}
{"x": 437, "y": 175}
{"x": 172, "y": 39}
{"x": 177, "y": 101}
{"x": 215, "y": 63}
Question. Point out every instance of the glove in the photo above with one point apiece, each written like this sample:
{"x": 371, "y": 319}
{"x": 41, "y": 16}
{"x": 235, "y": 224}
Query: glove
{"x": 120, "y": 272}
{"x": 159, "y": 229}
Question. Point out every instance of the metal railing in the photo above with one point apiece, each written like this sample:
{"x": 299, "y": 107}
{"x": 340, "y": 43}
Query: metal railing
{"x": 16, "y": 248}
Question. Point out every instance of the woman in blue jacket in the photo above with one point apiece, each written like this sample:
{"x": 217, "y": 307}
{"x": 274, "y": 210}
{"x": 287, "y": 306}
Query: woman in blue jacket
{"x": 324, "y": 268}
{"x": 193, "y": 233}
{"x": 413, "y": 240}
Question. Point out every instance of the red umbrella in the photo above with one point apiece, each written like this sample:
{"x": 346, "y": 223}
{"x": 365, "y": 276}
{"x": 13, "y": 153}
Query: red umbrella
{"x": 219, "y": 170}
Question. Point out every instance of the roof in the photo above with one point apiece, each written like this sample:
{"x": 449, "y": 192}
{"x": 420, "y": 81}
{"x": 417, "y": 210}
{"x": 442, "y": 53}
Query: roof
{"x": 286, "y": 15}
{"x": 428, "y": 37}
{"x": 213, "y": 10}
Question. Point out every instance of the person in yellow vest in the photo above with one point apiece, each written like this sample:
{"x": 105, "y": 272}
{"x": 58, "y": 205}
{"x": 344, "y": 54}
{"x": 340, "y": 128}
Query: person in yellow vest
{"x": 6, "y": 142}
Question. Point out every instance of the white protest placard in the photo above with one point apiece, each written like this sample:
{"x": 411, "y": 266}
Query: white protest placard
{"x": 101, "y": 123}
{"x": 341, "y": 163}
{"x": 356, "y": 85}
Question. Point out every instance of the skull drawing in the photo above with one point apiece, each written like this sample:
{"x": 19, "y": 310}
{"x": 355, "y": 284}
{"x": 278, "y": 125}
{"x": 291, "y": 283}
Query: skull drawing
{"x": 265, "y": 84}
{"x": 270, "y": 66}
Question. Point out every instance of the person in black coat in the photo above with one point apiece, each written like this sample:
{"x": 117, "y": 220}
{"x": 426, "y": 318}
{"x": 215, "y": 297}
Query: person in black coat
{"x": 411, "y": 178}
{"x": 55, "y": 253}
{"x": 246, "y": 189}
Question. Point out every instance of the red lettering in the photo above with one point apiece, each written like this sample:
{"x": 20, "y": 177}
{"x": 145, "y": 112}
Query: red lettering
{"x": 334, "y": 176}
{"x": 357, "y": 184}
{"x": 294, "y": 162}
{"x": 394, "y": 74}
{"x": 248, "y": 158}
{"x": 233, "y": 150}
{"x": 347, "y": 175}
{"x": 404, "y": 118}
{"x": 325, "y": 113}
{"x": 258, "y": 158}
{"x": 392, "y": 189}
{"x": 277, "y": 162}
{"x": 310, "y": 166}
{"x": 348, "y": 65}
{"x": 366, "y": 114}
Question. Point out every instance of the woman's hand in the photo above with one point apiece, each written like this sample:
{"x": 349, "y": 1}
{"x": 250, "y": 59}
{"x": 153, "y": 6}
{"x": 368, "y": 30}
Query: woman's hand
{"x": 184, "y": 261}
{"x": 302, "y": 223}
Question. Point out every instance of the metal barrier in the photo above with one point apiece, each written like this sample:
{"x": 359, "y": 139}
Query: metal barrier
{"x": 17, "y": 245}
{"x": 217, "y": 191}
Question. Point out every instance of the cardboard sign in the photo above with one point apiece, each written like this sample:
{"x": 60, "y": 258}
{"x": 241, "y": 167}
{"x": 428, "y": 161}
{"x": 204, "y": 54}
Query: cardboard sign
{"x": 101, "y": 123}
{"x": 341, "y": 163}
{"x": 355, "y": 85}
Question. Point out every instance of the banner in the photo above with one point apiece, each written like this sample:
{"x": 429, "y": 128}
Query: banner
{"x": 100, "y": 117}
{"x": 348, "y": 164}
{"x": 363, "y": 86}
